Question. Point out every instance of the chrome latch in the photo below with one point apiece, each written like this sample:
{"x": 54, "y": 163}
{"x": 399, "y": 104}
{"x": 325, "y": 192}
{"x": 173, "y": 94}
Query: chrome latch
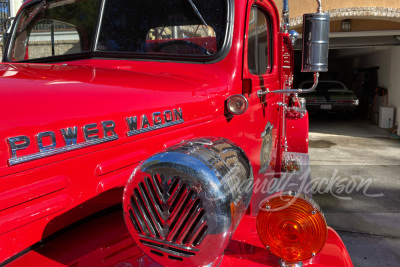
{"x": 281, "y": 104}
{"x": 261, "y": 93}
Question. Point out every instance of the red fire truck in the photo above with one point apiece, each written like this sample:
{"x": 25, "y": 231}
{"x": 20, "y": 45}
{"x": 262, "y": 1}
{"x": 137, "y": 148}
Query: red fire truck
{"x": 158, "y": 133}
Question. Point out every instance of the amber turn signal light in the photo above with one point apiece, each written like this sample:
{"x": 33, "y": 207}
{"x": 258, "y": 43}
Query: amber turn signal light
{"x": 292, "y": 226}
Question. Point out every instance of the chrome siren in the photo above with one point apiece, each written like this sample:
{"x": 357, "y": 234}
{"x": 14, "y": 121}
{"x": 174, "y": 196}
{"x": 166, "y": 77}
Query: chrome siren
{"x": 182, "y": 206}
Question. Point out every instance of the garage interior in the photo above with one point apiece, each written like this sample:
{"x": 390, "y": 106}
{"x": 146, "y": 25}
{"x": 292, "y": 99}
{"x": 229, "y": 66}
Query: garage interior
{"x": 365, "y": 56}
{"x": 367, "y": 60}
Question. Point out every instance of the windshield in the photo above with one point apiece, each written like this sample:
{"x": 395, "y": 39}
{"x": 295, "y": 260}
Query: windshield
{"x": 128, "y": 28}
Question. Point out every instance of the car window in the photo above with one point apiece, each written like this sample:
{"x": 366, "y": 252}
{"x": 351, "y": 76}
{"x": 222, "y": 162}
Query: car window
{"x": 52, "y": 38}
{"x": 259, "y": 54}
{"x": 173, "y": 27}
{"x": 52, "y": 28}
{"x": 185, "y": 39}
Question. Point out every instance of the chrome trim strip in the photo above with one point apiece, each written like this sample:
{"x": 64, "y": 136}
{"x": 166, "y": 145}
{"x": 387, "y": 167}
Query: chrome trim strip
{"x": 283, "y": 263}
{"x": 170, "y": 244}
{"x": 155, "y": 127}
{"x": 153, "y": 215}
{"x": 98, "y": 25}
{"x": 169, "y": 251}
{"x": 55, "y": 151}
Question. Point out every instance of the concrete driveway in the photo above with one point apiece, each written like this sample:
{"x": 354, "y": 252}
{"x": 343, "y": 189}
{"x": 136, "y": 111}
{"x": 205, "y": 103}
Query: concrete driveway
{"x": 355, "y": 168}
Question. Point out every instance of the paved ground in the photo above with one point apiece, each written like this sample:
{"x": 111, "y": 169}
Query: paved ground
{"x": 355, "y": 168}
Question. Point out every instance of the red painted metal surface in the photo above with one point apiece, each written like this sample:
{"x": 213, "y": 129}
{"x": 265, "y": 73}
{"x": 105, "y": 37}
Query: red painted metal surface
{"x": 105, "y": 241}
{"x": 43, "y": 196}
{"x": 297, "y": 133}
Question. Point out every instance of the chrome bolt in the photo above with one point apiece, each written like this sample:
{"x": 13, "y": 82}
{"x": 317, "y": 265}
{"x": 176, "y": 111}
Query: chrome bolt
{"x": 268, "y": 247}
{"x": 313, "y": 212}
{"x": 267, "y": 207}
{"x": 313, "y": 254}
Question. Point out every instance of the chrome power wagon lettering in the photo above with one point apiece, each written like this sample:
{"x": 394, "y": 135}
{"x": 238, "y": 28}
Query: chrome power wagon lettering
{"x": 18, "y": 143}
{"x": 168, "y": 116}
{"x": 132, "y": 123}
{"x": 170, "y": 119}
{"x": 41, "y": 136}
{"x": 70, "y": 135}
{"x": 157, "y": 119}
{"x": 178, "y": 114}
{"x": 90, "y": 132}
{"x": 145, "y": 122}
{"x": 47, "y": 142}
{"x": 108, "y": 127}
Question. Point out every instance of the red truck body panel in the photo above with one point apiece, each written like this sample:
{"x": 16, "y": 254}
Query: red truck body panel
{"x": 105, "y": 241}
{"x": 42, "y": 196}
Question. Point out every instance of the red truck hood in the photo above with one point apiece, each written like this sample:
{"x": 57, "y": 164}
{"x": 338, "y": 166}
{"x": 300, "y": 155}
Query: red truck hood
{"x": 38, "y": 98}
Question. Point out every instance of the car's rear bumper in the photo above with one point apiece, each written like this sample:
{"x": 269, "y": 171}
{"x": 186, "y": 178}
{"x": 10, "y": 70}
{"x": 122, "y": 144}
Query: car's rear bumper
{"x": 329, "y": 106}
{"x": 105, "y": 241}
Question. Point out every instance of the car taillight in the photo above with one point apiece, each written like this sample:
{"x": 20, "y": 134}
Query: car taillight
{"x": 291, "y": 226}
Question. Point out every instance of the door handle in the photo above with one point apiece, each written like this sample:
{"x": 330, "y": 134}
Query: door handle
{"x": 261, "y": 93}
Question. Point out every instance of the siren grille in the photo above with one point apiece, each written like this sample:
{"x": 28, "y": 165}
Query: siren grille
{"x": 181, "y": 206}
{"x": 169, "y": 219}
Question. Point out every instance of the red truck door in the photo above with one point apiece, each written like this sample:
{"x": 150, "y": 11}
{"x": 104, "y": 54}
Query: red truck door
{"x": 261, "y": 74}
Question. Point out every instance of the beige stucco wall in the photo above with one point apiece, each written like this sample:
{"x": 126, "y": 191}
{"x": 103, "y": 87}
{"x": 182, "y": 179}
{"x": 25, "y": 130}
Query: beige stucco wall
{"x": 14, "y": 7}
{"x": 298, "y": 7}
{"x": 385, "y": 12}
{"x": 43, "y": 49}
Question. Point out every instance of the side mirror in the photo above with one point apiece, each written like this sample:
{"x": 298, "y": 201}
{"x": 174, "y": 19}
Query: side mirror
{"x": 315, "y": 42}
{"x": 315, "y": 49}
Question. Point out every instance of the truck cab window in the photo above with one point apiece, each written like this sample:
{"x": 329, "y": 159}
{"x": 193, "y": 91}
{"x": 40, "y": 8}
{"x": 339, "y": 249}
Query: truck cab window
{"x": 174, "y": 29}
{"x": 185, "y": 39}
{"x": 51, "y": 38}
{"x": 54, "y": 28}
{"x": 259, "y": 42}
{"x": 162, "y": 28}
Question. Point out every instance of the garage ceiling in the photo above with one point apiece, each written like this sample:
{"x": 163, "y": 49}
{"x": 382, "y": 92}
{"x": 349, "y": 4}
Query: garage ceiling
{"x": 340, "y": 40}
